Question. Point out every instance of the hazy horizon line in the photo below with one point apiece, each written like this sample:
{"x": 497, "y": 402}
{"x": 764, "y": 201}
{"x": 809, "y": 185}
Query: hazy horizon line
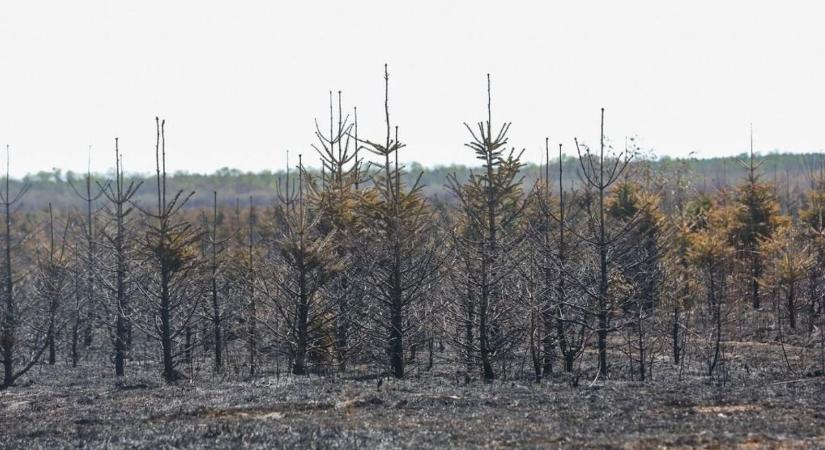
{"x": 234, "y": 171}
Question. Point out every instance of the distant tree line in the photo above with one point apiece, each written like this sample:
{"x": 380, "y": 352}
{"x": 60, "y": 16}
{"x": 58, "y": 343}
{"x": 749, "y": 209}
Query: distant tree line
{"x": 788, "y": 172}
{"x": 606, "y": 264}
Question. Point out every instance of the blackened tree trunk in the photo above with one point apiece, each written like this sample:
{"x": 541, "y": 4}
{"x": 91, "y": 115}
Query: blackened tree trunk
{"x": 165, "y": 312}
{"x": 50, "y": 281}
{"x": 77, "y": 320}
{"x": 791, "y": 299}
{"x": 674, "y": 334}
{"x": 217, "y": 314}
{"x": 252, "y": 332}
{"x": 119, "y": 195}
{"x": 90, "y": 236}
{"x": 396, "y": 326}
{"x": 302, "y": 317}
{"x": 9, "y": 324}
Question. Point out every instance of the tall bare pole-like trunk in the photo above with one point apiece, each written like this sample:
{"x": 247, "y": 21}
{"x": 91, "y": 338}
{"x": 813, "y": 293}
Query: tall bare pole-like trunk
{"x": 567, "y": 352}
{"x": 89, "y": 235}
{"x": 8, "y": 338}
{"x": 10, "y": 321}
{"x": 166, "y": 340}
{"x": 119, "y": 197}
{"x": 603, "y": 269}
{"x": 489, "y": 247}
{"x": 78, "y": 313}
{"x": 90, "y": 263}
{"x": 302, "y": 313}
{"x": 217, "y": 317}
{"x": 52, "y": 293}
{"x": 252, "y": 337}
{"x": 120, "y": 270}
{"x": 548, "y": 343}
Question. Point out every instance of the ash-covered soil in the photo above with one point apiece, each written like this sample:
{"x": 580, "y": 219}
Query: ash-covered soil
{"x": 63, "y": 408}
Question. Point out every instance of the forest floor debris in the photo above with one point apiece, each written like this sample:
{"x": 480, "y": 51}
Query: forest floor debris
{"x": 80, "y": 409}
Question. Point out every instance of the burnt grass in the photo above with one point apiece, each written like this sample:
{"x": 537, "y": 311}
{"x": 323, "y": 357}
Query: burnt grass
{"x": 60, "y": 407}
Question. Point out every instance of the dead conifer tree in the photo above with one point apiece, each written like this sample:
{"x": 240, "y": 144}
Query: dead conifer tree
{"x": 600, "y": 172}
{"x": 404, "y": 259}
{"x": 217, "y": 314}
{"x": 336, "y": 201}
{"x": 490, "y": 204}
{"x": 565, "y": 320}
{"x": 169, "y": 287}
{"x": 249, "y": 261}
{"x": 119, "y": 251}
{"x": 78, "y": 307}
{"x": 548, "y": 337}
{"x": 538, "y": 275}
{"x": 16, "y": 362}
{"x": 302, "y": 262}
{"x": 90, "y": 237}
{"x": 50, "y": 282}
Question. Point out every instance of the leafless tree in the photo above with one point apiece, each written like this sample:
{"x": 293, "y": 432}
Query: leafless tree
{"x": 217, "y": 313}
{"x": 600, "y": 172}
{"x": 90, "y": 237}
{"x": 115, "y": 275}
{"x": 15, "y": 364}
{"x": 51, "y": 282}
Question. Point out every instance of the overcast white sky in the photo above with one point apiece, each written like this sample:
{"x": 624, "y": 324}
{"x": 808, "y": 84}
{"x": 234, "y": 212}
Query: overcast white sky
{"x": 241, "y": 82}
